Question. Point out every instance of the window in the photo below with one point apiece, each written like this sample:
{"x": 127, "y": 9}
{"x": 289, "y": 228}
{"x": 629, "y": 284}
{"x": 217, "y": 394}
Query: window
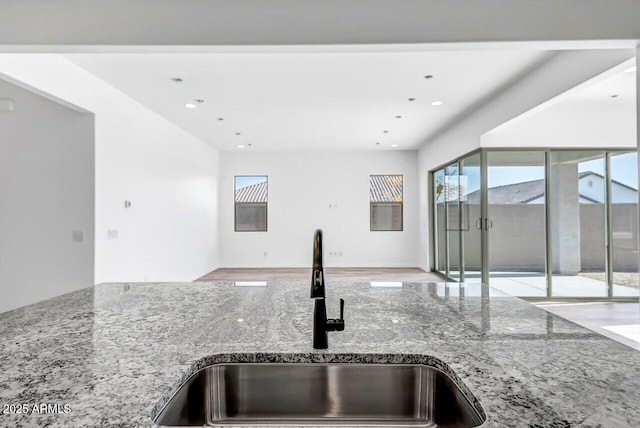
{"x": 385, "y": 193}
{"x": 251, "y": 203}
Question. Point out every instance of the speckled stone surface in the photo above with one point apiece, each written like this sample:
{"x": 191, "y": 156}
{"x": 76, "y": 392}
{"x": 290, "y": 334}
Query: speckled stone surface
{"x": 111, "y": 353}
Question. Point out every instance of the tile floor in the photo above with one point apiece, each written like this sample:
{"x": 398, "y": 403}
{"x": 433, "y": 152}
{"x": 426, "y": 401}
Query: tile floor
{"x": 519, "y": 284}
{"x": 618, "y": 321}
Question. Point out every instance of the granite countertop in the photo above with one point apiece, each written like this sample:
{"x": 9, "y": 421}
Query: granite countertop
{"x": 106, "y": 355}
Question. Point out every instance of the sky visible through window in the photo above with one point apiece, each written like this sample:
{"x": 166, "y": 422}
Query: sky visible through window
{"x": 248, "y": 180}
{"x": 624, "y": 169}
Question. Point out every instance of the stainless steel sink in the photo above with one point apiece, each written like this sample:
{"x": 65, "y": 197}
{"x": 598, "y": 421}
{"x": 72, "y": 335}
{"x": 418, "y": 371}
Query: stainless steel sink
{"x": 319, "y": 394}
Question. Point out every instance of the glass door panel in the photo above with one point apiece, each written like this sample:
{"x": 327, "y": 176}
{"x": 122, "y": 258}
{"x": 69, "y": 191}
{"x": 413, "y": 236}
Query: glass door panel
{"x": 452, "y": 219}
{"x": 440, "y": 231}
{"x": 624, "y": 223}
{"x": 516, "y": 222}
{"x": 577, "y": 223}
{"x": 471, "y": 218}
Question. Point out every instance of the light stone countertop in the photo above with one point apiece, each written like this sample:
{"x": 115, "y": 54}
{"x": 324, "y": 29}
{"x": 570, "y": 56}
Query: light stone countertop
{"x": 112, "y": 352}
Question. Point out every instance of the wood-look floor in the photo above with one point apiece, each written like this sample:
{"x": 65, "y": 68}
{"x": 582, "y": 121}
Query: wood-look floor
{"x": 331, "y": 273}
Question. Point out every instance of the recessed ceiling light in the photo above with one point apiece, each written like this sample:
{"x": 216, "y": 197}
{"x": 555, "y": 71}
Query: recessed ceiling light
{"x": 437, "y": 103}
{"x": 199, "y": 101}
{"x": 412, "y": 99}
{"x": 386, "y": 132}
{"x": 398, "y": 117}
{"x": 377, "y": 144}
{"x": 631, "y": 69}
{"x": 614, "y": 96}
{"x": 221, "y": 118}
{"x": 240, "y": 146}
{"x": 190, "y": 105}
{"x": 393, "y": 145}
{"x": 429, "y": 76}
{"x": 176, "y": 79}
{"x": 237, "y": 133}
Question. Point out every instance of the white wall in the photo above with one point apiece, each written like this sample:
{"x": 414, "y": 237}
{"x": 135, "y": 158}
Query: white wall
{"x": 46, "y": 192}
{"x": 302, "y": 186}
{"x": 170, "y": 177}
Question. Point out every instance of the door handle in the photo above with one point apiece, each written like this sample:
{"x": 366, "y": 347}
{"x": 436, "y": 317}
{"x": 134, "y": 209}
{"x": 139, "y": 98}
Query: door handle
{"x": 488, "y": 224}
{"x": 479, "y": 223}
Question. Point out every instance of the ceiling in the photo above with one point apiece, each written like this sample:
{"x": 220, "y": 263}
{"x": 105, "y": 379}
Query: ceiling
{"x": 613, "y": 87}
{"x": 267, "y": 101}
{"x": 598, "y": 113}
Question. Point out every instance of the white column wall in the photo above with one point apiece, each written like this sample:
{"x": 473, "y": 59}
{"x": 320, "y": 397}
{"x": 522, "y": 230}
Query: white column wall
{"x": 326, "y": 190}
{"x": 46, "y": 193}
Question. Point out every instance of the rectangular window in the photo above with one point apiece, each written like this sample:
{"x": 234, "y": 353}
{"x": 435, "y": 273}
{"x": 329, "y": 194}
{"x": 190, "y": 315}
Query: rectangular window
{"x": 251, "y": 203}
{"x": 385, "y": 195}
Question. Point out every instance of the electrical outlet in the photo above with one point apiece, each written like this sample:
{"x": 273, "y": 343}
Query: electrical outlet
{"x": 112, "y": 234}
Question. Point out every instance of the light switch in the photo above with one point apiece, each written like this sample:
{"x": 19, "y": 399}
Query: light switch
{"x": 6, "y": 105}
{"x": 77, "y": 235}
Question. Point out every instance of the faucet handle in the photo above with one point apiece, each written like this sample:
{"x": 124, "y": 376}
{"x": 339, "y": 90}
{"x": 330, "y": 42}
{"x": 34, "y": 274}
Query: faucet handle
{"x": 337, "y": 324}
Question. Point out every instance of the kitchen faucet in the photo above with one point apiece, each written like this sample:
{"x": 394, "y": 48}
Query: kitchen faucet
{"x": 321, "y": 325}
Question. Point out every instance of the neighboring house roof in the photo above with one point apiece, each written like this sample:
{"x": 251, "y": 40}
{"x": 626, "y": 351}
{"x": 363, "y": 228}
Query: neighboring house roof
{"x": 586, "y": 173}
{"x": 525, "y": 192}
{"x": 519, "y": 193}
{"x": 385, "y": 188}
{"x": 253, "y": 193}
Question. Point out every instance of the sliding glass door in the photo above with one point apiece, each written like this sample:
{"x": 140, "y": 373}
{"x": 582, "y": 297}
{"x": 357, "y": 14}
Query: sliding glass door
{"x": 516, "y": 222}
{"x": 457, "y": 220}
{"x": 471, "y": 218}
{"x": 540, "y": 223}
{"x": 452, "y": 218}
{"x": 439, "y": 222}
{"x": 577, "y": 200}
{"x": 624, "y": 224}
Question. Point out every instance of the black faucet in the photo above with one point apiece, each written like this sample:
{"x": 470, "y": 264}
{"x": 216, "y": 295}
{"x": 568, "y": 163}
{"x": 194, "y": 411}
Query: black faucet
{"x": 321, "y": 325}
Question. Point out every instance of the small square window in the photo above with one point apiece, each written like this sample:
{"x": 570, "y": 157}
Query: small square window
{"x": 385, "y": 196}
{"x": 251, "y": 203}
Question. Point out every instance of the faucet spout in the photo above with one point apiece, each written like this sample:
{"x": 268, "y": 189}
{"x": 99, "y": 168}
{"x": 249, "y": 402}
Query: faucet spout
{"x": 321, "y": 325}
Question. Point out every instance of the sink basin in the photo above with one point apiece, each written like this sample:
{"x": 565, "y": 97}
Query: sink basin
{"x": 319, "y": 394}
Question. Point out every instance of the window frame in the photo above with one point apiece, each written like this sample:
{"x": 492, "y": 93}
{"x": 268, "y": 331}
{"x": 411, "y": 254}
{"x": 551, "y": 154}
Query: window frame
{"x": 387, "y": 203}
{"x": 235, "y": 205}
